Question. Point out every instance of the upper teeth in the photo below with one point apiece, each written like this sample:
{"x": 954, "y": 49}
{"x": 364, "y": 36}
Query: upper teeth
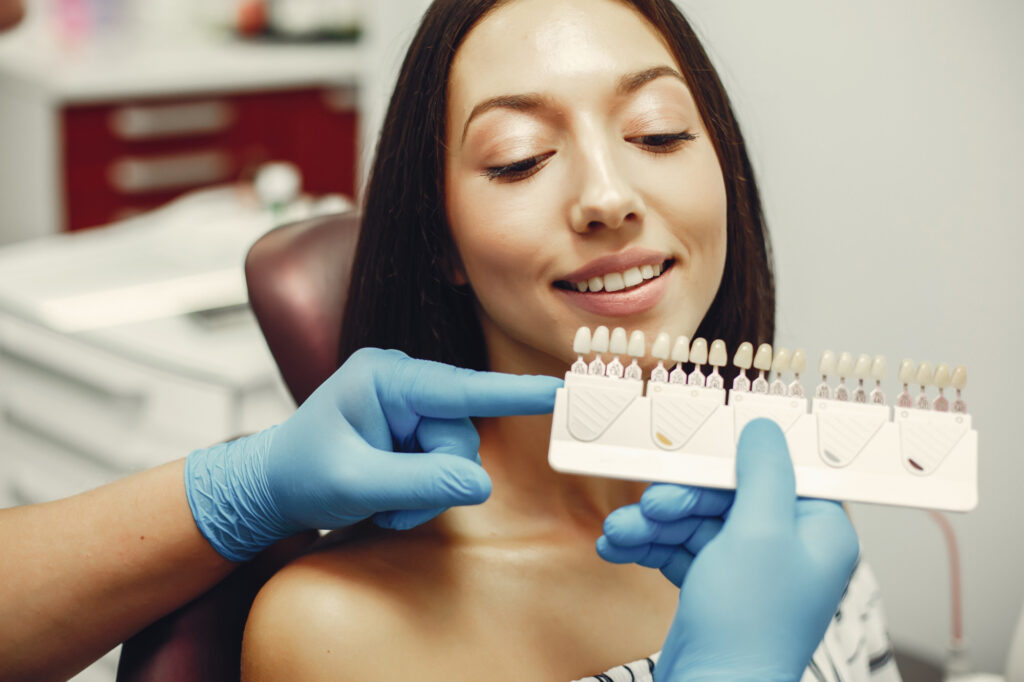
{"x": 617, "y": 281}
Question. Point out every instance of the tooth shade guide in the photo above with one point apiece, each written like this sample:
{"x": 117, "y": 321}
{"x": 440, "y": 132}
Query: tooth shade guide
{"x": 699, "y": 451}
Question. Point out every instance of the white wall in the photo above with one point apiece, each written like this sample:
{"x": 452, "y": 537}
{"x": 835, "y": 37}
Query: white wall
{"x": 887, "y": 139}
{"x": 886, "y": 135}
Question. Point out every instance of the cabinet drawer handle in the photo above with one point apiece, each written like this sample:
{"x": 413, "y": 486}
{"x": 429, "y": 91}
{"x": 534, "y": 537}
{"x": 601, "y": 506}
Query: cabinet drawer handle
{"x": 130, "y": 175}
{"x": 171, "y": 120}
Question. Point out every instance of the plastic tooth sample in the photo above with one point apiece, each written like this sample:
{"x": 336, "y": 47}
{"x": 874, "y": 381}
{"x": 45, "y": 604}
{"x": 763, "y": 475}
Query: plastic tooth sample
{"x": 762, "y": 363}
{"x": 580, "y": 346}
{"x": 698, "y": 356}
{"x": 598, "y": 344}
{"x": 680, "y": 354}
{"x": 660, "y": 350}
{"x": 743, "y": 359}
{"x": 906, "y": 376}
{"x": 717, "y": 357}
{"x": 637, "y": 349}
{"x": 878, "y": 372}
{"x": 844, "y": 368}
{"x": 923, "y": 377}
{"x": 941, "y": 380}
{"x": 780, "y": 365}
{"x": 959, "y": 381}
{"x": 826, "y": 366}
{"x": 617, "y": 346}
{"x": 861, "y": 371}
{"x": 797, "y": 364}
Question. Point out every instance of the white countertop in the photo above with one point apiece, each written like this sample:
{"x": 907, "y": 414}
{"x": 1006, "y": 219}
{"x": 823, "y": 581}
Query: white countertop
{"x": 192, "y": 66}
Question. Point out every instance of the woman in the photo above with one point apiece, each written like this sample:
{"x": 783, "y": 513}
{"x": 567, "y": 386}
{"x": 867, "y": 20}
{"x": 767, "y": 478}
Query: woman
{"x": 530, "y": 146}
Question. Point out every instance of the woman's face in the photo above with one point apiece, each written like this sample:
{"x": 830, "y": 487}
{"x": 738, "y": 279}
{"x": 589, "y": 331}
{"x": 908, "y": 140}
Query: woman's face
{"x": 575, "y": 154}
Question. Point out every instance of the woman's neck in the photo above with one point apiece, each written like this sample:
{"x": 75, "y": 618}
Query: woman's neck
{"x": 529, "y": 498}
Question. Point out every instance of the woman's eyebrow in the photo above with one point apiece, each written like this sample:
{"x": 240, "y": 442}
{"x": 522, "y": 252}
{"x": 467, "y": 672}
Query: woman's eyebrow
{"x": 627, "y": 84}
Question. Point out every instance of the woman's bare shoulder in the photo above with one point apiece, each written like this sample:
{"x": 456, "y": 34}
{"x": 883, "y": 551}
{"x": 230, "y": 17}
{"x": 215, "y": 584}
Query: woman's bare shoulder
{"x": 353, "y": 611}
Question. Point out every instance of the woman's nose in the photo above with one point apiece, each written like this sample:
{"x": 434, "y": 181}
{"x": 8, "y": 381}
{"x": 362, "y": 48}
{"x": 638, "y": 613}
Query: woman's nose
{"x": 606, "y": 198}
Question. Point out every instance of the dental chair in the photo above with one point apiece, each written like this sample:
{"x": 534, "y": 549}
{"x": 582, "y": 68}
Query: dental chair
{"x": 297, "y": 277}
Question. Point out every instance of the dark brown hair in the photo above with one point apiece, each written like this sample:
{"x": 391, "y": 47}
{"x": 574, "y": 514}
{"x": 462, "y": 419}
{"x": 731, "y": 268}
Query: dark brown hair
{"x": 401, "y": 296}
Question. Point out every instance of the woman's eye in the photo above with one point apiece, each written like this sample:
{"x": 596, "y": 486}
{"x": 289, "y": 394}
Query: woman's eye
{"x": 664, "y": 142}
{"x": 519, "y": 170}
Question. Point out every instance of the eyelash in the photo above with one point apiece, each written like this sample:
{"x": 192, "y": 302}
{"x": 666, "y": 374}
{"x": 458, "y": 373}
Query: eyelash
{"x": 520, "y": 170}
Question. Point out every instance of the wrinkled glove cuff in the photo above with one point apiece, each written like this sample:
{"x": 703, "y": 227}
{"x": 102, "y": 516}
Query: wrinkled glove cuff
{"x": 230, "y": 499}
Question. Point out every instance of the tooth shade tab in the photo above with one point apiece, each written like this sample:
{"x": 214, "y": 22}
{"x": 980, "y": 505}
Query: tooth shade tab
{"x": 681, "y": 350}
{"x": 878, "y": 368}
{"x": 862, "y": 368}
{"x": 763, "y": 357}
{"x": 827, "y": 363}
{"x": 906, "y": 371}
{"x": 699, "y": 351}
{"x": 942, "y": 376}
{"x": 619, "y": 342}
{"x": 599, "y": 341}
{"x": 844, "y": 366}
{"x": 798, "y": 362}
{"x": 637, "y": 344}
{"x": 780, "y": 363}
{"x": 581, "y": 344}
{"x": 661, "y": 346}
{"x": 717, "y": 356}
{"x": 744, "y": 355}
{"x": 923, "y": 376}
{"x": 959, "y": 380}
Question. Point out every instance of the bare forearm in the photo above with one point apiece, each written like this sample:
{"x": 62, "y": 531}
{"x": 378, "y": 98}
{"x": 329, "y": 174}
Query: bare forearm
{"x": 85, "y": 573}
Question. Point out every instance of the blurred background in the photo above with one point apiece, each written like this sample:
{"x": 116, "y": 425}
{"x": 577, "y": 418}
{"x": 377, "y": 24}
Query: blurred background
{"x": 885, "y": 135}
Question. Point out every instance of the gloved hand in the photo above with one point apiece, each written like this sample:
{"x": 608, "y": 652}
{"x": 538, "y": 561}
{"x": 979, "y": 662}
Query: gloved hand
{"x": 386, "y": 437}
{"x": 669, "y": 525}
{"x": 757, "y": 596}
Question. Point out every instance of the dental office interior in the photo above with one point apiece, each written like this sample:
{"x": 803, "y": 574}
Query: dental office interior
{"x": 145, "y": 146}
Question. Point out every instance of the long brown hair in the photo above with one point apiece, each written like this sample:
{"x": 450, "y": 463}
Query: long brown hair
{"x": 400, "y": 295}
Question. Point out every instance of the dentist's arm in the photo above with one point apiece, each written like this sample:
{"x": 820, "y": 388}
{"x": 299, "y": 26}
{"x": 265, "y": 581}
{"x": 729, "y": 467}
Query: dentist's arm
{"x": 758, "y": 594}
{"x": 386, "y": 437}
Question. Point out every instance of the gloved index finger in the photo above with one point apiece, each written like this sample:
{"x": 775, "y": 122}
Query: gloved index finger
{"x": 446, "y": 392}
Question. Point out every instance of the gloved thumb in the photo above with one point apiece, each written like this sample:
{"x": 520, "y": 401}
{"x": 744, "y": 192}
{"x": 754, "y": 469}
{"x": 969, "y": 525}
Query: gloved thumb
{"x": 765, "y": 483}
{"x": 427, "y": 481}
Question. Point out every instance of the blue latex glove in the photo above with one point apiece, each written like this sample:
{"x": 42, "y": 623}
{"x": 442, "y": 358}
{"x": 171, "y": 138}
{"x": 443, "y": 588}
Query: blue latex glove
{"x": 386, "y": 437}
{"x": 669, "y": 525}
{"x": 758, "y": 595}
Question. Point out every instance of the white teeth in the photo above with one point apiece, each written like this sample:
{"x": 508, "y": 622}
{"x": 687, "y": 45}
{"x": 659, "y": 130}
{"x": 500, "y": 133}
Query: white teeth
{"x": 632, "y": 277}
{"x": 617, "y": 281}
{"x": 614, "y": 281}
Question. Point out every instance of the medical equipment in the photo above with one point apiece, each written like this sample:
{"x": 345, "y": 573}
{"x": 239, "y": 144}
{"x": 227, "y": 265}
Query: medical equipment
{"x": 850, "y": 445}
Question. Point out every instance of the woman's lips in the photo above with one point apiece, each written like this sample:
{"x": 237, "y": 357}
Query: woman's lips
{"x": 623, "y": 303}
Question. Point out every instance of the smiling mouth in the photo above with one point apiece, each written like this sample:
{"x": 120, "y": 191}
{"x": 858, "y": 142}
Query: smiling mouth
{"x": 614, "y": 282}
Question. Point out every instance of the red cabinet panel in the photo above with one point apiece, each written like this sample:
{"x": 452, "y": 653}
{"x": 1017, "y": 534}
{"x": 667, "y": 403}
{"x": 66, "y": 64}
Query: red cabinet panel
{"x": 124, "y": 157}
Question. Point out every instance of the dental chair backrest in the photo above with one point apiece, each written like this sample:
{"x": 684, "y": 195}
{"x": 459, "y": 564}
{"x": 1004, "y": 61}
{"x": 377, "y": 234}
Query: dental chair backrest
{"x": 298, "y": 282}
